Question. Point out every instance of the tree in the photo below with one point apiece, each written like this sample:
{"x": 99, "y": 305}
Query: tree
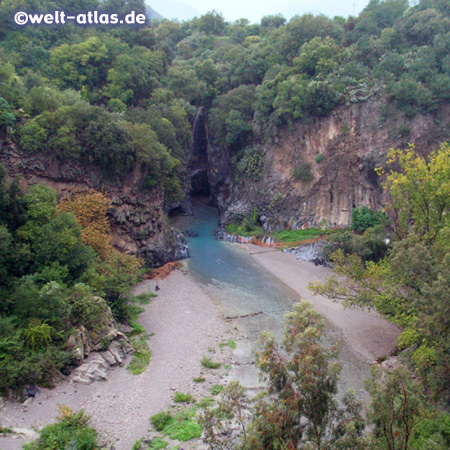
{"x": 411, "y": 285}
{"x": 396, "y": 409}
{"x": 231, "y": 117}
{"x": 419, "y": 193}
{"x": 302, "y": 29}
{"x": 7, "y": 117}
{"x": 118, "y": 274}
{"x": 212, "y": 23}
{"x": 318, "y": 57}
{"x": 233, "y": 405}
{"x": 81, "y": 64}
{"x": 412, "y": 96}
{"x": 90, "y": 211}
{"x": 300, "y": 407}
{"x": 364, "y": 218}
{"x": 272, "y": 22}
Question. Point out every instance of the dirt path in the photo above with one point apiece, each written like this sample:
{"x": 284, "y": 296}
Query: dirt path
{"x": 185, "y": 324}
{"x": 367, "y": 333}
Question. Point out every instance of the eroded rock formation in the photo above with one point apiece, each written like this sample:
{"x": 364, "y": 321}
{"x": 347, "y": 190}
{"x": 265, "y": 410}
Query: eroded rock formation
{"x": 352, "y": 142}
{"x": 138, "y": 221}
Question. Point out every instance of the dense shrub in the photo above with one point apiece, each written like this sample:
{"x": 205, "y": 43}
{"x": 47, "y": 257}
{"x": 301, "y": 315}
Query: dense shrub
{"x": 52, "y": 281}
{"x": 71, "y": 431}
{"x": 371, "y": 246}
{"x": 250, "y": 162}
{"x": 319, "y": 158}
{"x": 364, "y": 218}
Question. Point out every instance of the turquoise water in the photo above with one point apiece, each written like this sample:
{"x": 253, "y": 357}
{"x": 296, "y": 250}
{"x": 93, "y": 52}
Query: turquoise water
{"x": 239, "y": 284}
{"x": 241, "y": 287}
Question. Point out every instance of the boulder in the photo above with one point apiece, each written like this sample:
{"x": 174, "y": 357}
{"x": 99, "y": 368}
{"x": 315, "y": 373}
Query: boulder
{"x": 314, "y": 253}
{"x": 115, "y": 354}
{"x": 93, "y": 369}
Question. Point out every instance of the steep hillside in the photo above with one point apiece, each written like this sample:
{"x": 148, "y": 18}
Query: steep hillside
{"x": 138, "y": 221}
{"x": 320, "y": 171}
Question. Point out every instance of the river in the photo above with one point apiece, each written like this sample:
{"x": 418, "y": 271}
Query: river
{"x": 241, "y": 286}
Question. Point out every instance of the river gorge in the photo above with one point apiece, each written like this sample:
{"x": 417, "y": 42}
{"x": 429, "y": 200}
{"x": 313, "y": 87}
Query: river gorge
{"x": 224, "y": 291}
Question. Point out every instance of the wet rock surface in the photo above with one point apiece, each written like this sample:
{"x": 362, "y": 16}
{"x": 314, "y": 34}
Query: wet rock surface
{"x": 314, "y": 253}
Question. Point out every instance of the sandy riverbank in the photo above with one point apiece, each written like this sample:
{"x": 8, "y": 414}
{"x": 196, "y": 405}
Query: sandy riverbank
{"x": 366, "y": 332}
{"x": 184, "y": 324}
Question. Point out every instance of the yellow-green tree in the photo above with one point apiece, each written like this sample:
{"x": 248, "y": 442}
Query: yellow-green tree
{"x": 90, "y": 211}
{"x": 411, "y": 286}
{"x": 419, "y": 192}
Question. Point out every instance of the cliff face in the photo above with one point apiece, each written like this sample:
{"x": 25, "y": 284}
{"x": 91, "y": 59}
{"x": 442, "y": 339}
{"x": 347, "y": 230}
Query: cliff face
{"x": 137, "y": 218}
{"x": 352, "y": 143}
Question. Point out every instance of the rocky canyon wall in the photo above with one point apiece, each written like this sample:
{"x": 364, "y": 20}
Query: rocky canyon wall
{"x": 138, "y": 221}
{"x": 352, "y": 142}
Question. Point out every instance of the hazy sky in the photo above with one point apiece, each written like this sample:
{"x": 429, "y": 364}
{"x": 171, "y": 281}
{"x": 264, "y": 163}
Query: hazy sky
{"x": 255, "y": 9}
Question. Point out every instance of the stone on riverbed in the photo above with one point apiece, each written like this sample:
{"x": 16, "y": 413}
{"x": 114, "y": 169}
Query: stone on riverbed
{"x": 93, "y": 369}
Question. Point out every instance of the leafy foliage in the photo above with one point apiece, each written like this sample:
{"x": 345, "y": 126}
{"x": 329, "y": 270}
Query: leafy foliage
{"x": 52, "y": 281}
{"x": 180, "y": 425}
{"x": 410, "y": 284}
{"x": 364, "y": 218}
{"x": 397, "y": 408}
{"x": 299, "y": 409}
{"x": 181, "y": 397}
{"x": 71, "y": 430}
{"x": 209, "y": 363}
{"x": 250, "y": 163}
{"x": 90, "y": 211}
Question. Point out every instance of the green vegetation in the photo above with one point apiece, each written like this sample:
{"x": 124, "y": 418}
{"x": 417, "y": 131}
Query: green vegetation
{"x": 300, "y": 406}
{"x": 138, "y": 336}
{"x": 157, "y": 444}
{"x": 246, "y": 229}
{"x": 199, "y": 379}
{"x": 205, "y": 402}
{"x": 52, "y": 281}
{"x": 124, "y": 98}
{"x": 71, "y": 431}
{"x": 230, "y": 343}
{"x": 319, "y": 158}
{"x": 104, "y": 103}
{"x": 184, "y": 430}
{"x": 179, "y": 425}
{"x": 289, "y": 236}
{"x": 183, "y": 398}
{"x": 209, "y": 364}
{"x": 302, "y": 172}
{"x": 141, "y": 357}
{"x": 249, "y": 163}
{"x": 434, "y": 430}
{"x": 160, "y": 420}
{"x": 372, "y": 245}
{"x": 409, "y": 284}
{"x": 364, "y": 218}
{"x": 216, "y": 389}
